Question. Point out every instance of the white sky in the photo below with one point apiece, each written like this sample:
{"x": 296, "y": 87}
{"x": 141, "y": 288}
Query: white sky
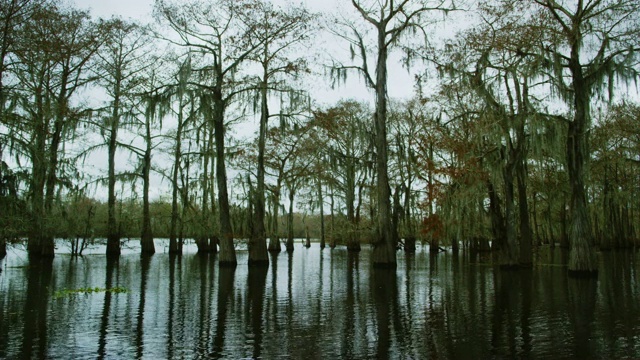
{"x": 400, "y": 81}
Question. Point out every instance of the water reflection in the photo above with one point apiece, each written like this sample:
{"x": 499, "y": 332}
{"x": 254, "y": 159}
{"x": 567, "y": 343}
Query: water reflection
{"x": 145, "y": 261}
{"x": 35, "y": 342}
{"x": 173, "y": 314}
{"x": 226, "y": 283}
{"x": 384, "y": 286}
{"x": 318, "y": 304}
{"x": 582, "y": 304}
{"x": 112, "y": 264}
{"x": 256, "y": 281}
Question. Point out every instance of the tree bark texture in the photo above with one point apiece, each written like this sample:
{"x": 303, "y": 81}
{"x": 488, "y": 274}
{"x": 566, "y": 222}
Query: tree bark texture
{"x": 258, "y": 254}
{"x": 227, "y": 255}
{"x": 384, "y": 254}
{"x": 146, "y": 238}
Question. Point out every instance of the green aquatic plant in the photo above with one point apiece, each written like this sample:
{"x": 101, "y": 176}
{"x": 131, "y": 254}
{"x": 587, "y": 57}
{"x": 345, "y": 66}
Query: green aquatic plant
{"x": 71, "y": 292}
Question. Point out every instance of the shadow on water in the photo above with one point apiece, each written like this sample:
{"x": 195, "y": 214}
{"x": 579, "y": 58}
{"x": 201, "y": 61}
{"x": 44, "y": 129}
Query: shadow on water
{"x": 34, "y": 338}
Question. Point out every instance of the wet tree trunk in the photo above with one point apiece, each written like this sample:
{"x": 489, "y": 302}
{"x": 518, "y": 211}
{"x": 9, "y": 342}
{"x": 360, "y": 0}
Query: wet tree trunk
{"x": 113, "y": 233}
{"x": 307, "y": 242}
{"x": 526, "y": 259}
{"x": 274, "y": 239}
{"x": 146, "y": 238}
{"x": 410, "y": 231}
{"x": 582, "y": 256}
{"x": 509, "y": 250}
{"x": 536, "y": 224}
{"x": 606, "y": 237}
{"x": 184, "y": 194}
{"x": 625, "y": 228}
{"x": 202, "y": 242}
{"x": 353, "y": 234}
{"x": 37, "y": 218}
{"x": 36, "y": 190}
{"x": 289, "y": 245}
{"x": 395, "y": 218}
{"x": 332, "y": 242}
{"x": 321, "y": 202}
{"x": 258, "y": 242}
{"x": 3, "y": 246}
{"x": 47, "y": 246}
{"x": 498, "y": 226}
{"x": 177, "y": 156}
{"x": 227, "y": 256}
{"x": 384, "y": 254}
{"x": 564, "y": 225}
{"x": 214, "y": 239}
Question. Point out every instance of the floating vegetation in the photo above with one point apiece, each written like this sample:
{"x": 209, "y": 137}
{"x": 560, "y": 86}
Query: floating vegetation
{"x": 71, "y": 292}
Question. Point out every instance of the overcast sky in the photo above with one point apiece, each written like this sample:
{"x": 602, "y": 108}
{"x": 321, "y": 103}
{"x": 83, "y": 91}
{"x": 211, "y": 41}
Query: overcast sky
{"x": 400, "y": 81}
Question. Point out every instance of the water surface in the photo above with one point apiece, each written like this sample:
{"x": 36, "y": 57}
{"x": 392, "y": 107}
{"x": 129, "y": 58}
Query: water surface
{"x": 317, "y": 304}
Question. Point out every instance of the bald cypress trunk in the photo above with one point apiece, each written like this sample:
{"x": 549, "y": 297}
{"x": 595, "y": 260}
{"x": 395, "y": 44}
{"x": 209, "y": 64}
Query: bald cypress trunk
{"x": 113, "y": 235}
{"x": 509, "y": 250}
{"x": 258, "y": 254}
{"x": 332, "y": 242}
{"x": 202, "y": 241}
{"x": 383, "y": 254}
{"x": 227, "y": 254}
{"x": 498, "y": 226}
{"x": 523, "y": 209}
{"x": 274, "y": 239}
{"x": 39, "y": 170}
{"x": 289, "y": 244}
{"x": 582, "y": 257}
{"x": 321, "y": 201}
{"x": 146, "y": 238}
{"x": 177, "y": 155}
{"x": 353, "y": 236}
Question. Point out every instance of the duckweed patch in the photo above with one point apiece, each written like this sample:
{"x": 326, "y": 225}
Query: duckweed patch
{"x": 72, "y": 292}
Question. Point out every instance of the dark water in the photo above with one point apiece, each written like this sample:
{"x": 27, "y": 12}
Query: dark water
{"x": 317, "y": 305}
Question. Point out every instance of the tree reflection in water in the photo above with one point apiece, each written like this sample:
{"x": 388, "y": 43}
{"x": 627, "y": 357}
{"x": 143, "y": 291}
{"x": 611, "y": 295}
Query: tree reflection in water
{"x": 35, "y": 343}
{"x": 318, "y": 304}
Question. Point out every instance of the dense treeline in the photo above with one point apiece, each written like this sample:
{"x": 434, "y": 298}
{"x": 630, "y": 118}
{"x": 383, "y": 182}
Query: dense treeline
{"x": 522, "y": 130}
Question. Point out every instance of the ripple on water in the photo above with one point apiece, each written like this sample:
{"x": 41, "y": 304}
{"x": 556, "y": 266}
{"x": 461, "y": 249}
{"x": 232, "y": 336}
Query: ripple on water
{"x": 311, "y": 305}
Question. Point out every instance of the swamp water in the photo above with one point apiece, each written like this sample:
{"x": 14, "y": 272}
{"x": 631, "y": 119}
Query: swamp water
{"x": 316, "y": 305}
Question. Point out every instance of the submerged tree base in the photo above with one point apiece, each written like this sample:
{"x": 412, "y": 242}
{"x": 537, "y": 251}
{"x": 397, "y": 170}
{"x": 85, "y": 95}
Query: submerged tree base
{"x": 274, "y": 245}
{"x": 582, "y": 274}
{"x": 410, "y": 244}
{"x": 385, "y": 265}
{"x": 258, "y": 263}
{"x": 228, "y": 264}
{"x": 510, "y": 267}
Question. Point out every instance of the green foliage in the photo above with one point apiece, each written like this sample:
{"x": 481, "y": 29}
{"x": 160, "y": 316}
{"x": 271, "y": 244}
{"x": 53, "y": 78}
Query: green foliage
{"x": 64, "y": 293}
